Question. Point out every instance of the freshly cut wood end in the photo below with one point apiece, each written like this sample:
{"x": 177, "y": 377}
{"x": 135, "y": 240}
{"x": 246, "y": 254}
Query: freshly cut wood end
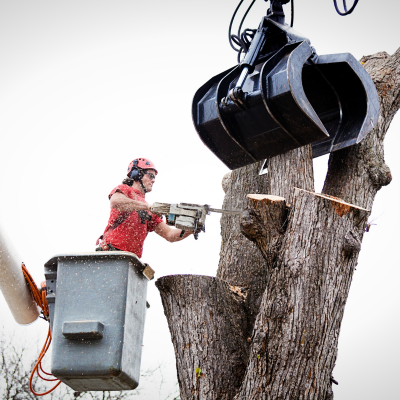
{"x": 340, "y": 206}
{"x": 265, "y": 198}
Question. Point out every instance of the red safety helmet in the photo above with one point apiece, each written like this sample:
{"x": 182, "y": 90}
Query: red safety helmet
{"x": 141, "y": 163}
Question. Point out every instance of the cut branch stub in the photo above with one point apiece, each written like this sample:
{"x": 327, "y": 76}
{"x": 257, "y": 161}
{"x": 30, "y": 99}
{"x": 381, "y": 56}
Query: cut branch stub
{"x": 208, "y": 326}
{"x": 295, "y": 336}
{"x": 263, "y": 223}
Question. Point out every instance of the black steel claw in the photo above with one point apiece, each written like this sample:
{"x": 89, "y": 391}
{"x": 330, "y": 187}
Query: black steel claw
{"x": 283, "y": 96}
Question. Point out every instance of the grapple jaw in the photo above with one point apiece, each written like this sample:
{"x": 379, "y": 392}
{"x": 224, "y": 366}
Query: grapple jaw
{"x": 291, "y": 98}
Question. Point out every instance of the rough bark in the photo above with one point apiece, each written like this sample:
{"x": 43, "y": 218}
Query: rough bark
{"x": 290, "y": 170}
{"x": 240, "y": 262}
{"x": 207, "y": 320}
{"x": 295, "y": 336}
{"x": 293, "y": 270}
{"x": 245, "y": 269}
{"x": 264, "y": 224}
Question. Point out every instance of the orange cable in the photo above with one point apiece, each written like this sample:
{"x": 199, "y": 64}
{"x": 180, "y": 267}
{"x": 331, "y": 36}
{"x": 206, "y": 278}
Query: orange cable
{"x": 46, "y": 373}
{"x": 37, "y": 296}
{"x": 35, "y": 369}
{"x": 41, "y": 300}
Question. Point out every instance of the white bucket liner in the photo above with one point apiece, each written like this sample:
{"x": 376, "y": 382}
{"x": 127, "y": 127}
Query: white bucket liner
{"x": 13, "y": 284}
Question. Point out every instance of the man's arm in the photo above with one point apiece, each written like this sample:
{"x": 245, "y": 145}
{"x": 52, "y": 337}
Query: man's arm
{"x": 170, "y": 234}
{"x": 120, "y": 202}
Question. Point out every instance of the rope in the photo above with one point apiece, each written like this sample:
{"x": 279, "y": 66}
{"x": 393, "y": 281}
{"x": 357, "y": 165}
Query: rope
{"x": 39, "y": 296}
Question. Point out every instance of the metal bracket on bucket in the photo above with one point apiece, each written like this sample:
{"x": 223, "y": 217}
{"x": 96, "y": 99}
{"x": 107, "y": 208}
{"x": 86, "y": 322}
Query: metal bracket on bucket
{"x": 283, "y": 96}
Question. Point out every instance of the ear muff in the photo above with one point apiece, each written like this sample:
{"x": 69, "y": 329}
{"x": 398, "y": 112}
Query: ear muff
{"x": 136, "y": 174}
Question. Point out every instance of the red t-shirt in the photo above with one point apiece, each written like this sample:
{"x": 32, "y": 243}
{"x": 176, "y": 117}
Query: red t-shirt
{"x": 130, "y": 234}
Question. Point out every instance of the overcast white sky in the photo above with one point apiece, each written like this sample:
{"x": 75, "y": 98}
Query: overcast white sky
{"x": 88, "y": 85}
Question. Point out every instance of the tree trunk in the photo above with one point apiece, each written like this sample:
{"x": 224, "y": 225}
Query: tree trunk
{"x": 241, "y": 263}
{"x": 285, "y": 270}
{"x": 208, "y": 324}
{"x": 295, "y": 336}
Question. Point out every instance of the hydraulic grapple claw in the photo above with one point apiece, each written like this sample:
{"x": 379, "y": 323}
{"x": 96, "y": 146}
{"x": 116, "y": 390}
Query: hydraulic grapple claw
{"x": 291, "y": 98}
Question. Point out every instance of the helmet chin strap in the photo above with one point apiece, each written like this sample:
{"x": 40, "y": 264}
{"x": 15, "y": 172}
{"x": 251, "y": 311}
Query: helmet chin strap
{"x": 141, "y": 183}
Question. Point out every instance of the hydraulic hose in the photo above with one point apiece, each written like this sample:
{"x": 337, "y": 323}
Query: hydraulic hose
{"x": 346, "y": 12}
{"x": 40, "y": 298}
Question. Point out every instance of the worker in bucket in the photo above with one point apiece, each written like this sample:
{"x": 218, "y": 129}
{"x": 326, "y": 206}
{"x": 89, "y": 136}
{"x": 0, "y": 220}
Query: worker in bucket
{"x": 130, "y": 217}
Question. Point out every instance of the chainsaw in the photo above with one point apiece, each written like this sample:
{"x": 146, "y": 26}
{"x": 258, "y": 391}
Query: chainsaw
{"x": 188, "y": 217}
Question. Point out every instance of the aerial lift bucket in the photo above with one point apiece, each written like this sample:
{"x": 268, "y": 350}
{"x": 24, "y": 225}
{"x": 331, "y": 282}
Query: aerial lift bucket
{"x": 97, "y": 305}
{"x": 284, "y": 97}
